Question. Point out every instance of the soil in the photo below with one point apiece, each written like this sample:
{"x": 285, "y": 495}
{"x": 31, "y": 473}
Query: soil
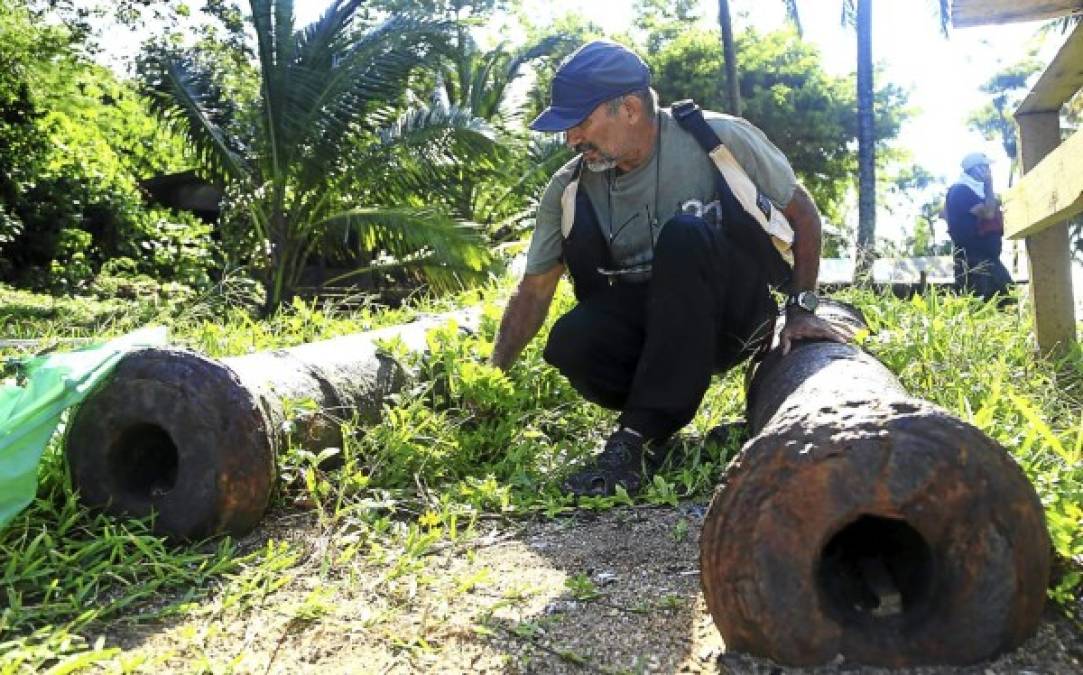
{"x": 500, "y": 601}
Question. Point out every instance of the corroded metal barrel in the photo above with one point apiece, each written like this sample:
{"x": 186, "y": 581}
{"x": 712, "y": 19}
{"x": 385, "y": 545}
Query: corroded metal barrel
{"x": 860, "y": 521}
{"x": 194, "y": 440}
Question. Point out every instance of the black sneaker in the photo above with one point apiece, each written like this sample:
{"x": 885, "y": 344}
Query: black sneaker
{"x": 622, "y": 462}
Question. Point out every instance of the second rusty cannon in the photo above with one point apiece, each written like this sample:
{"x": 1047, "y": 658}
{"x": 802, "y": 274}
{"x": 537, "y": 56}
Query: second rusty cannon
{"x": 195, "y": 440}
{"x": 863, "y": 522}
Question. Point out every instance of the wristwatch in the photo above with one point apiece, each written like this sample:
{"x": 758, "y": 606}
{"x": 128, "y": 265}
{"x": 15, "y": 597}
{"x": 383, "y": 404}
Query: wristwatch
{"x": 806, "y": 300}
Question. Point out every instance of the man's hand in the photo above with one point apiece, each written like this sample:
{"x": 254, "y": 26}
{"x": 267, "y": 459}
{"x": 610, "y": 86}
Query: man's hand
{"x": 524, "y": 315}
{"x": 804, "y": 325}
{"x": 805, "y": 219}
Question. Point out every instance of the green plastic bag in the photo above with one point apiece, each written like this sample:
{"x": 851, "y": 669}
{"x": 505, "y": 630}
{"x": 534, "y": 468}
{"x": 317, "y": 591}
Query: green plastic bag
{"x": 30, "y": 411}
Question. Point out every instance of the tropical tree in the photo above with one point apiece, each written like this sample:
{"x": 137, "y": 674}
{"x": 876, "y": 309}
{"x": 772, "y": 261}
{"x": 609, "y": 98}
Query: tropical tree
{"x": 496, "y": 191}
{"x": 322, "y": 117}
{"x": 993, "y": 120}
{"x": 783, "y": 79}
{"x": 729, "y": 50}
{"x": 74, "y": 140}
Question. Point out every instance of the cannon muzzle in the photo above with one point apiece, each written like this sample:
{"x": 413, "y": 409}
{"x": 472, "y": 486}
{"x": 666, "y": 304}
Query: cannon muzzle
{"x": 864, "y": 522}
{"x": 194, "y": 440}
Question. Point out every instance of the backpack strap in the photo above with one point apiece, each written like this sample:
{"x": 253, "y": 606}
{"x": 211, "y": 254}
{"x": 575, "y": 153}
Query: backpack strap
{"x": 734, "y": 179}
{"x": 568, "y": 201}
{"x": 690, "y": 117}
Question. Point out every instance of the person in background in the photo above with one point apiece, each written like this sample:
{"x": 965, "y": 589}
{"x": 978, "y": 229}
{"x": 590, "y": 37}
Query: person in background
{"x": 976, "y": 228}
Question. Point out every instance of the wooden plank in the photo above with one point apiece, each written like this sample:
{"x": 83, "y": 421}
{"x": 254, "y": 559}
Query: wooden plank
{"x": 1051, "y": 289}
{"x": 927, "y": 269}
{"x": 1060, "y": 81}
{"x": 1047, "y": 251}
{"x": 1050, "y": 193}
{"x": 836, "y": 271}
{"x": 966, "y": 13}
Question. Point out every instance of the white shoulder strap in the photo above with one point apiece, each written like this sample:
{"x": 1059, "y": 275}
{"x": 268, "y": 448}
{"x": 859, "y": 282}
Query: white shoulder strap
{"x": 567, "y": 207}
{"x": 758, "y": 206}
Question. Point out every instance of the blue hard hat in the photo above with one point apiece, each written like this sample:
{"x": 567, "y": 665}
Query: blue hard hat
{"x": 593, "y": 74}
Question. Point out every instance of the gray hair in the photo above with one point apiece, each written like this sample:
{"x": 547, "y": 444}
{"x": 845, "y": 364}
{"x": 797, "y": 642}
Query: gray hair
{"x": 647, "y": 96}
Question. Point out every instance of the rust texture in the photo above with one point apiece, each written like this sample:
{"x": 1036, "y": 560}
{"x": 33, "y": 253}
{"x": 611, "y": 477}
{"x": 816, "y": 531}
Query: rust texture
{"x": 195, "y": 440}
{"x": 862, "y": 522}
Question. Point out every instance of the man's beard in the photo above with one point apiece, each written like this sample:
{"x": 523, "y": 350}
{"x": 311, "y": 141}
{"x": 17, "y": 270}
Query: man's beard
{"x": 606, "y": 162}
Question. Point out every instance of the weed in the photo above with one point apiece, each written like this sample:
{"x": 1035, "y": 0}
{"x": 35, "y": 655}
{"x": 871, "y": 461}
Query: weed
{"x": 680, "y": 530}
{"x": 582, "y": 588}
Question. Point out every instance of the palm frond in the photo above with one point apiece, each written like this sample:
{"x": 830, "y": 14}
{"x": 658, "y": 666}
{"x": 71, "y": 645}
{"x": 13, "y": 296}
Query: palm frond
{"x": 263, "y": 18}
{"x": 373, "y": 69}
{"x": 545, "y": 154}
{"x": 422, "y": 151}
{"x": 543, "y": 47}
{"x": 186, "y": 97}
{"x": 464, "y": 59}
{"x": 849, "y": 13}
{"x": 496, "y": 70}
{"x": 439, "y": 275}
{"x": 485, "y": 93}
{"x": 424, "y": 125}
{"x": 284, "y": 44}
{"x": 406, "y": 234}
{"x": 317, "y": 50}
{"x": 794, "y": 17}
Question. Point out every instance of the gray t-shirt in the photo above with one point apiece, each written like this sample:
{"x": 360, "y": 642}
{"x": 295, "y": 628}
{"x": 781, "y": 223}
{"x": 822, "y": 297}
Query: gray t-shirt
{"x": 632, "y": 207}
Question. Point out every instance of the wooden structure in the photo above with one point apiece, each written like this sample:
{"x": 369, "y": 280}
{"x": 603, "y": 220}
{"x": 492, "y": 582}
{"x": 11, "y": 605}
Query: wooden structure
{"x": 965, "y": 13}
{"x": 1051, "y": 191}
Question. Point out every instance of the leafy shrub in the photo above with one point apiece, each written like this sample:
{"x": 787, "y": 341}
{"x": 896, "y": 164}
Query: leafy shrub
{"x": 172, "y": 246}
{"x": 70, "y": 270}
{"x": 73, "y": 142}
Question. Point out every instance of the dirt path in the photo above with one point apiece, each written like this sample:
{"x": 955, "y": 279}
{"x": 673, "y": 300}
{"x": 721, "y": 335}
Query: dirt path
{"x": 500, "y": 602}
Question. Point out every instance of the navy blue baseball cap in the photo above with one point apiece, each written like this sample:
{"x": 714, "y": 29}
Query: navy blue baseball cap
{"x": 596, "y": 72}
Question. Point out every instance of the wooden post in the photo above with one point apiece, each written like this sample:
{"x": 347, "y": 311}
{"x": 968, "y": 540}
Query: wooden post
{"x": 1048, "y": 252}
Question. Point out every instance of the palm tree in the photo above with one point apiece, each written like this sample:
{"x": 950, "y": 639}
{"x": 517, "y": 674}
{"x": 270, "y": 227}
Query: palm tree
{"x": 321, "y": 115}
{"x": 861, "y": 18}
{"x": 729, "y": 50}
{"x": 481, "y": 82}
{"x": 866, "y": 141}
{"x": 729, "y": 58}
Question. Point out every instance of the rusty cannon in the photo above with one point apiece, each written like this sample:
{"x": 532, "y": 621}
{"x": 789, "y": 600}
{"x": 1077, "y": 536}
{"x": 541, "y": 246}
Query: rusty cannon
{"x": 862, "y": 522}
{"x": 195, "y": 440}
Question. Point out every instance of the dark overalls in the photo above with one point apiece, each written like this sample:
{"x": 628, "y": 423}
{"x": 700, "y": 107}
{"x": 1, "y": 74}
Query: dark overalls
{"x": 649, "y": 349}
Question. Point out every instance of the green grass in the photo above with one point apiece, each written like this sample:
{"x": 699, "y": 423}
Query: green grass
{"x": 467, "y": 443}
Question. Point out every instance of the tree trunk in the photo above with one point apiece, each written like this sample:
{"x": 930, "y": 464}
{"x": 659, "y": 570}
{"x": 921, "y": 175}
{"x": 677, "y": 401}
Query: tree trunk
{"x": 864, "y": 522}
{"x": 866, "y": 143}
{"x": 729, "y": 54}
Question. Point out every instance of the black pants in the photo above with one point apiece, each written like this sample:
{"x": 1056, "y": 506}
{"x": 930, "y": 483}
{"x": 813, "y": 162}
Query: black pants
{"x": 978, "y": 270}
{"x": 649, "y": 349}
